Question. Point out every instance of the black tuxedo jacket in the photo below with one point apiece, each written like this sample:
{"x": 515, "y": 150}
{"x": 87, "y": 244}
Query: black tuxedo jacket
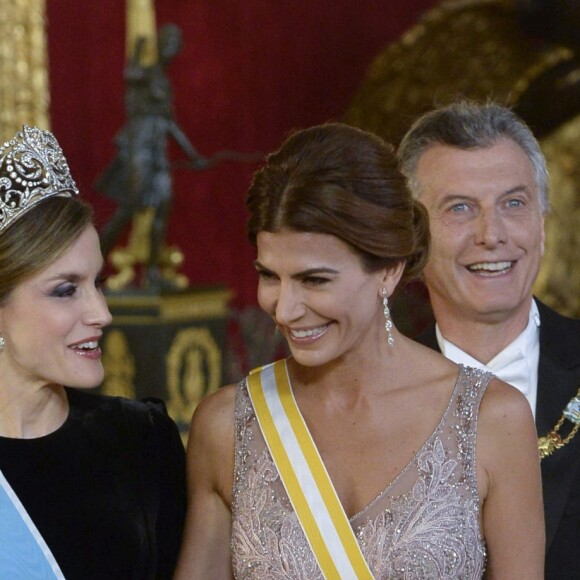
{"x": 558, "y": 382}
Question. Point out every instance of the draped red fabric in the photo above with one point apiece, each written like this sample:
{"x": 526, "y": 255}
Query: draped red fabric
{"x": 249, "y": 72}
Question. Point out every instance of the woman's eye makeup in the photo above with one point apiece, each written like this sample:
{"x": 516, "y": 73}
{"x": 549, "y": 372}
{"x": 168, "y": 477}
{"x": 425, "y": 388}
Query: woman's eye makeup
{"x": 64, "y": 290}
{"x": 315, "y": 280}
{"x": 266, "y": 274}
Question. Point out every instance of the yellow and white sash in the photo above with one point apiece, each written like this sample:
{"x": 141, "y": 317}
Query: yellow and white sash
{"x": 304, "y": 475}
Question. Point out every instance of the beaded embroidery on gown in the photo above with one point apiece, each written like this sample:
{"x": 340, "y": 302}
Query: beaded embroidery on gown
{"x": 423, "y": 525}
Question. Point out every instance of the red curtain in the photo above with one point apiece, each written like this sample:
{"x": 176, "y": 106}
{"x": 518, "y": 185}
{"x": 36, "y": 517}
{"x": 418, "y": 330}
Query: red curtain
{"x": 249, "y": 72}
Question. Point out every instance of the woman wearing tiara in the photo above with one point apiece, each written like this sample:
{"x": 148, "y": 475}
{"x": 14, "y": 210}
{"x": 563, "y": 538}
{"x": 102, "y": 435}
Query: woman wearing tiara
{"x": 90, "y": 487}
{"x": 363, "y": 455}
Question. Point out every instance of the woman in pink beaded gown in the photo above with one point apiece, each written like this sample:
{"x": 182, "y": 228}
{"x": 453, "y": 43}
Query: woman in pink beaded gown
{"x": 363, "y": 455}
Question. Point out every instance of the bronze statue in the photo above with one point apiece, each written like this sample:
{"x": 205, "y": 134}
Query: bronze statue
{"x": 140, "y": 175}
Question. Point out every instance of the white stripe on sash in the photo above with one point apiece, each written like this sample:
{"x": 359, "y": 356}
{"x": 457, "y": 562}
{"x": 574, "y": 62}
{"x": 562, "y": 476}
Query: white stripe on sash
{"x": 304, "y": 475}
{"x": 24, "y": 555}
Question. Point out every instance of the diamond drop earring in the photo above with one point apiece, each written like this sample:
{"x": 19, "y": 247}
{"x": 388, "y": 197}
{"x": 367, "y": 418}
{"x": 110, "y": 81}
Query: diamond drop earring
{"x": 388, "y": 321}
{"x": 2, "y": 342}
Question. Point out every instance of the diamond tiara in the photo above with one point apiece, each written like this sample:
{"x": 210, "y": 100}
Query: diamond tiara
{"x": 32, "y": 169}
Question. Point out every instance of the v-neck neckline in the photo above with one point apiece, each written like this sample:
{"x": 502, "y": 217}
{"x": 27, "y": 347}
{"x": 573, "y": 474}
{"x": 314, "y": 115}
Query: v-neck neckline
{"x": 391, "y": 484}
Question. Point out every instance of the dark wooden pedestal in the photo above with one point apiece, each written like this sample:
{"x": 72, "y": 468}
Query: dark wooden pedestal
{"x": 168, "y": 346}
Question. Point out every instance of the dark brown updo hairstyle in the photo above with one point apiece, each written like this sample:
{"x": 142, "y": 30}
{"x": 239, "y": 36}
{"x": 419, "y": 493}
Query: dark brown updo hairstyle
{"x": 338, "y": 180}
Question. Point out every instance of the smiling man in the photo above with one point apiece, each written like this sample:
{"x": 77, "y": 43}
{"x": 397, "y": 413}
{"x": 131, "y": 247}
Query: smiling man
{"x": 482, "y": 176}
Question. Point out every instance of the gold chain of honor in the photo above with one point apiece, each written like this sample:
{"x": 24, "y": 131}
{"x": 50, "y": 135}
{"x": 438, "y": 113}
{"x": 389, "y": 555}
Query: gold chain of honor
{"x": 553, "y": 440}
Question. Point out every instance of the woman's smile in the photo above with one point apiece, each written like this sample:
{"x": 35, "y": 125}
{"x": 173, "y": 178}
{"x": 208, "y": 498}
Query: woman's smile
{"x": 305, "y": 335}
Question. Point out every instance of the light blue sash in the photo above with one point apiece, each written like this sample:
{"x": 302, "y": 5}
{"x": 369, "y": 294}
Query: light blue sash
{"x": 24, "y": 555}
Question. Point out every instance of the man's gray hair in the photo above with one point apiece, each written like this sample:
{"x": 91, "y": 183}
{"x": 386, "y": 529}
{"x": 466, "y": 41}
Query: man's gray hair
{"x": 468, "y": 125}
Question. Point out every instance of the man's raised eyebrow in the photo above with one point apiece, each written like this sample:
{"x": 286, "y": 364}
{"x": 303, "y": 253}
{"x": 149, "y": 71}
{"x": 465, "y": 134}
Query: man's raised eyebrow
{"x": 518, "y": 189}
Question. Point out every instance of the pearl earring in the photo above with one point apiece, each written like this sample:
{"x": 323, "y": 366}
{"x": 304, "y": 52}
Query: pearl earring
{"x": 388, "y": 321}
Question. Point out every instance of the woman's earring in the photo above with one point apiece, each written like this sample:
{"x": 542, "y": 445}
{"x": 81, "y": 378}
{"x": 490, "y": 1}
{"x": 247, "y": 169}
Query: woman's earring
{"x": 388, "y": 321}
{"x": 2, "y": 342}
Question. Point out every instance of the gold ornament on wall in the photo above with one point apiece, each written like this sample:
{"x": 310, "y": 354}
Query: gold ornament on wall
{"x": 119, "y": 366}
{"x": 194, "y": 367}
{"x": 559, "y": 280}
{"x": 24, "y": 91}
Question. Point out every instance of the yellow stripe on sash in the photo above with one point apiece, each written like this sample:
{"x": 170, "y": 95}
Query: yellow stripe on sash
{"x": 300, "y": 502}
{"x": 289, "y": 478}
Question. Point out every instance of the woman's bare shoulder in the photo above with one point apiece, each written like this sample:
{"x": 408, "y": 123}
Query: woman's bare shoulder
{"x": 212, "y": 425}
{"x": 502, "y": 402}
{"x": 210, "y": 447}
{"x": 217, "y": 403}
{"x": 215, "y": 412}
{"x": 505, "y": 425}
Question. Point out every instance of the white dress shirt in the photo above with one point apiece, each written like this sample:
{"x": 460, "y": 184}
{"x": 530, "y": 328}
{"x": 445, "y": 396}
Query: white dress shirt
{"x": 516, "y": 364}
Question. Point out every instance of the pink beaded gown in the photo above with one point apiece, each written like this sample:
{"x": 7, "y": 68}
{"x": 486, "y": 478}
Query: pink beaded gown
{"x": 424, "y": 525}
